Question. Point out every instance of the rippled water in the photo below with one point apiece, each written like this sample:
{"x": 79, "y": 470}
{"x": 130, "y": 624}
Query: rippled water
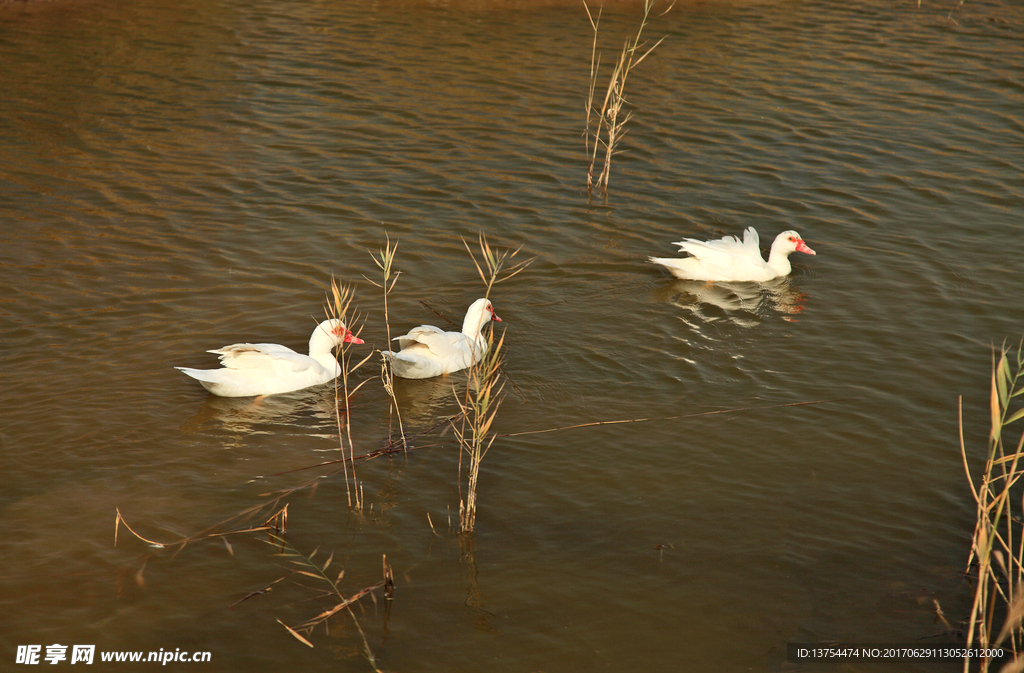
{"x": 179, "y": 176}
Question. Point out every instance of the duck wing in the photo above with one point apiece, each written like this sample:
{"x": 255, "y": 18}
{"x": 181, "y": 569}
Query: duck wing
{"x": 422, "y": 335}
{"x": 429, "y": 349}
{"x": 266, "y": 358}
{"x": 440, "y": 344}
{"x": 725, "y": 248}
{"x": 728, "y": 258}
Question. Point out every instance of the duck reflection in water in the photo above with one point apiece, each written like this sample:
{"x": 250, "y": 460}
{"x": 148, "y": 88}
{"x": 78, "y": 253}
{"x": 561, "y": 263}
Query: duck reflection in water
{"x": 744, "y": 304}
{"x": 312, "y": 407}
{"x": 424, "y": 402}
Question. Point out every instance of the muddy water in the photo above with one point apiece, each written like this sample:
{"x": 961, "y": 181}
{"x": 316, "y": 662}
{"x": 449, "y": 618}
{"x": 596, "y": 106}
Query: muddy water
{"x": 179, "y": 176}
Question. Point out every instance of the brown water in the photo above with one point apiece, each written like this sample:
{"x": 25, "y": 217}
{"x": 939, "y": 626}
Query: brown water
{"x": 179, "y": 176}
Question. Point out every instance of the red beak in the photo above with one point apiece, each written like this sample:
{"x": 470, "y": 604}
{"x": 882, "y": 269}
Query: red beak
{"x": 351, "y": 338}
{"x": 802, "y": 247}
{"x": 494, "y": 316}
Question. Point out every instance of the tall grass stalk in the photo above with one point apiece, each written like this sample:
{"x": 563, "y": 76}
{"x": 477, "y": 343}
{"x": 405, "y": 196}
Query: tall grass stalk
{"x": 479, "y": 405}
{"x": 998, "y": 544}
{"x": 610, "y": 124}
{"x": 492, "y": 263}
{"x": 385, "y": 260}
{"x": 340, "y": 308}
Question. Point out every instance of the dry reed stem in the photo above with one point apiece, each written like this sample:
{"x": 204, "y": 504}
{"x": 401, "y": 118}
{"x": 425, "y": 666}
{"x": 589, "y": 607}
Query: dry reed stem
{"x": 339, "y": 309}
{"x": 309, "y": 568}
{"x": 389, "y": 579}
{"x": 494, "y": 262}
{"x": 608, "y": 119}
{"x": 999, "y": 558}
{"x": 392, "y": 448}
{"x": 385, "y": 261}
{"x": 279, "y": 518}
{"x": 259, "y": 592}
{"x": 479, "y": 407}
{"x": 482, "y": 398}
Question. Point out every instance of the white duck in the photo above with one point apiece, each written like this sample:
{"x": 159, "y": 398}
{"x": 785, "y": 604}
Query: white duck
{"x": 428, "y": 351}
{"x": 728, "y": 259}
{"x": 267, "y": 369}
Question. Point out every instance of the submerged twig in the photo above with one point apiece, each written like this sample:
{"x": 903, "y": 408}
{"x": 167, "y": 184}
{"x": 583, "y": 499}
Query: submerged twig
{"x": 394, "y": 447}
{"x": 307, "y": 567}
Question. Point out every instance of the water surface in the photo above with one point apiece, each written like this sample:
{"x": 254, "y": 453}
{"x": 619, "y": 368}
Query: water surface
{"x": 180, "y": 176}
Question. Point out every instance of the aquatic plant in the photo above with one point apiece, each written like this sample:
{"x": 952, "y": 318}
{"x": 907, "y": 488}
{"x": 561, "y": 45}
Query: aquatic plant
{"x": 384, "y": 260}
{"x": 494, "y": 262}
{"x": 307, "y": 567}
{"x": 340, "y": 308}
{"x": 609, "y": 127}
{"x": 479, "y": 404}
{"x": 997, "y": 547}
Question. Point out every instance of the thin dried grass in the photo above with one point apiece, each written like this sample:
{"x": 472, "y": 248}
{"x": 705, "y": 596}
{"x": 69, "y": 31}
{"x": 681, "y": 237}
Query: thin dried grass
{"x": 277, "y": 522}
{"x": 997, "y": 546}
{"x": 610, "y": 125}
{"x": 444, "y": 425}
{"x": 306, "y": 566}
{"x": 493, "y": 262}
{"x": 385, "y": 260}
{"x": 341, "y": 308}
{"x": 479, "y": 404}
{"x": 478, "y": 407}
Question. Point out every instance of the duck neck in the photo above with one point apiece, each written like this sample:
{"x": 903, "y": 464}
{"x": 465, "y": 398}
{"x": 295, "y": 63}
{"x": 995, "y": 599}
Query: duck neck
{"x": 473, "y": 325}
{"x": 321, "y": 348}
{"x": 779, "y": 261}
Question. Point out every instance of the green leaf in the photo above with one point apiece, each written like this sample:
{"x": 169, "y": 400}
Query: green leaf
{"x": 1019, "y": 414}
{"x": 1002, "y": 377}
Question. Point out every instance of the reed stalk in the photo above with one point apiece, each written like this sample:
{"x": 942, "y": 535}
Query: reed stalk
{"x": 479, "y": 405}
{"x": 341, "y": 308}
{"x": 385, "y": 261}
{"x": 997, "y": 547}
{"x": 492, "y": 263}
{"x": 610, "y": 125}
